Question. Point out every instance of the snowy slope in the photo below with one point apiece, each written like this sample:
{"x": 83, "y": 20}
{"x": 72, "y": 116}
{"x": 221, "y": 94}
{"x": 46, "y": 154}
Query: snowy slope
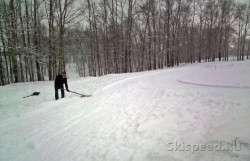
{"x": 131, "y": 117}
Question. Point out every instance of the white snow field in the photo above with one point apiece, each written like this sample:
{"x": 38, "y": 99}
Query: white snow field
{"x": 198, "y": 112}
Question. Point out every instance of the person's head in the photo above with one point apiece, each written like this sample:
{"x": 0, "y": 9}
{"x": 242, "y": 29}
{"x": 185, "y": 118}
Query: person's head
{"x": 64, "y": 74}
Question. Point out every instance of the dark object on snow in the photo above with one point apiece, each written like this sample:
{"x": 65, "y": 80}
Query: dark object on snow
{"x": 59, "y": 81}
{"x": 82, "y": 95}
{"x": 33, "y": 94}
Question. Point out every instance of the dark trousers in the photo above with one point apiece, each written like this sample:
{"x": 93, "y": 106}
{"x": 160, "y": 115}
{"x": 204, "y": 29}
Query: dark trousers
{"x": 56, "y": 92}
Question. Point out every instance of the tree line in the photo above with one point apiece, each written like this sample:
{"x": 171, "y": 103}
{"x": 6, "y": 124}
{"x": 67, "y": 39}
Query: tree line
{"x": 38, "y": 37}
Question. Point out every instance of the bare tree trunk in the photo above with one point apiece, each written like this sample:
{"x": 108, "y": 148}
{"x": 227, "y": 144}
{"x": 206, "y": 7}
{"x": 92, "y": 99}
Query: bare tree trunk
{"x": 128, "y": 64}
{"x": 62, "y": 19}
{"x": 149, "y": 38}
{"x": 168, "y": 12}
{"x": 2, "y": 77}
{"x": 24, "y": 45}
{"x": 239, "y": 42}
{"x": 30, "y": 66}
{"x": 7, "y": 80}
{"x": 248, "y": 49}
{"x": 201, "y": 39}
{"x": 91, "y": 63}
{"x": 220, "y": 34}
{"x": 226, "y": 43}
{"x": 244, "y": 36}
{"x": 51, "y": 38}
{"x": 38, "y": 70}
{"x": 13, "y": 41}
{"x": 105, "y": 49}
{"x": 98, "y": 58}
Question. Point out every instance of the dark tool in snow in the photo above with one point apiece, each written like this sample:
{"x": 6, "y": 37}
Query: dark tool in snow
{"x": 82, "y": 95}
{"x": 33, "y": 94}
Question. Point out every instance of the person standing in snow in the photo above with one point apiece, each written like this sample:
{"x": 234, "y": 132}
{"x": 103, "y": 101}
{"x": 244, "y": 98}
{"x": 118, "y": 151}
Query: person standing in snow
{"x": 59, "y": 81}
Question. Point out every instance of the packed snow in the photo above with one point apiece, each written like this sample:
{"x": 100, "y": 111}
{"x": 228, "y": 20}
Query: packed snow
{"x": 162, "y": 115}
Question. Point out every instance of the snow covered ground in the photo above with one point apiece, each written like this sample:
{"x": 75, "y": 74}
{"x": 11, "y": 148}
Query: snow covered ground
{"x": 187, "y": 113}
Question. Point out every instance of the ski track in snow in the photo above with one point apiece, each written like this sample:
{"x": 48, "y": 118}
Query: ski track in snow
{"x": 210, "y": 85}
{"x": 130, "y": 117}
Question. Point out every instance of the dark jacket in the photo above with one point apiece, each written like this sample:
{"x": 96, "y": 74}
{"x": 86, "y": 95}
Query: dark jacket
{"x": 59, "y": 81}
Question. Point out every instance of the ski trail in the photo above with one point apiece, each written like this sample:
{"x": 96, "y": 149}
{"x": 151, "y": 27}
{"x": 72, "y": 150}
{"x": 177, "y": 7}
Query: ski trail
{"x": 211, "y": 85}
{"x": 142, "y": 75}
{"x": 59, "y": 131}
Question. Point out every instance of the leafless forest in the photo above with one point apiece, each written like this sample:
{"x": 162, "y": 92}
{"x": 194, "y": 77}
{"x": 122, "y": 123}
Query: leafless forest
{"x": 38, "y": 37}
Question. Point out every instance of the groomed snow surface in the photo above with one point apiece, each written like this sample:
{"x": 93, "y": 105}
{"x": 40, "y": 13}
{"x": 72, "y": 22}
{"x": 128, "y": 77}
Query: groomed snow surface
{"x": 187, "y": 113}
